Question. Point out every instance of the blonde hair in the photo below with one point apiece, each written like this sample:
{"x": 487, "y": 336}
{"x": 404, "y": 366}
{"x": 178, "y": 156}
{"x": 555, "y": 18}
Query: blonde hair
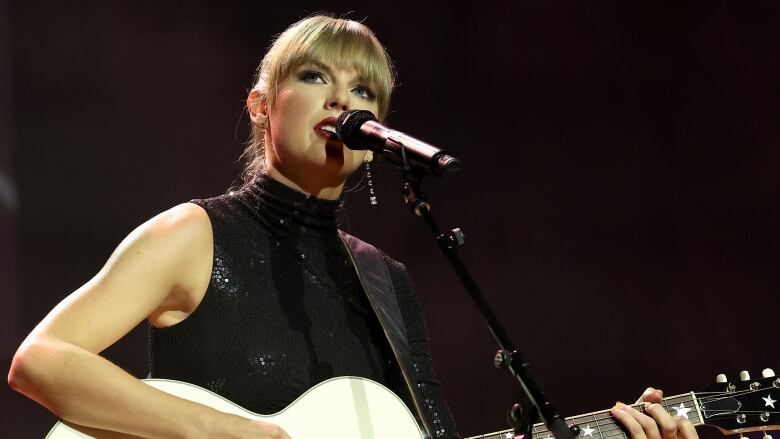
{"x": 341, "y": 43}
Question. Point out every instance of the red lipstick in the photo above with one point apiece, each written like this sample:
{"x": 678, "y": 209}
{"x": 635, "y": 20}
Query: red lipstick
{"x": 326, "y": 128}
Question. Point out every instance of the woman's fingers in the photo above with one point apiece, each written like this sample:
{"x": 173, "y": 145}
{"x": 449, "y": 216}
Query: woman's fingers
{"x": 636, "y": 424}
{"x": 651, "y": 395}
{"x": 686, "y": 430}
{"x": 663, "y": 419}
{"x": 659, "y": 425}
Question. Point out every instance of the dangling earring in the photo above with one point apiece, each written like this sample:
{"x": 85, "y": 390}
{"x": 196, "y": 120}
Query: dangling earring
{"x": 371, "y": 196}
{"x": 262, "y": 125}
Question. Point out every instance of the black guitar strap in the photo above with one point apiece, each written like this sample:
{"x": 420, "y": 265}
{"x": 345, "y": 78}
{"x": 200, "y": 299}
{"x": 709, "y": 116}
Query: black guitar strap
{"x": 378, "y": 285}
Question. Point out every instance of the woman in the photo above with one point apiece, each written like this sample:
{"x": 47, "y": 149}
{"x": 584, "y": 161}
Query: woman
{"x": 252, "y": 294}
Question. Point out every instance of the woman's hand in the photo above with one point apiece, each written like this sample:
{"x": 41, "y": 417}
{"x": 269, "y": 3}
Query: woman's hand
{"x": 659, "y": 425}
{"x": 231, "y": 426}
{"x": 223, "y": 426}
{"x": 265, "y": 430}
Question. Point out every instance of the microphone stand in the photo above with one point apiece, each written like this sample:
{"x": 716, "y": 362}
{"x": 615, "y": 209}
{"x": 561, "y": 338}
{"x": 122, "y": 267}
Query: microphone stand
{"x": 507, "y": 357}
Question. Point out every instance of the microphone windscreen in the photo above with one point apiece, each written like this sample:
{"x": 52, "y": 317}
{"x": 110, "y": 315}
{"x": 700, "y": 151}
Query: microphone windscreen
{"x": 348, "y": 126}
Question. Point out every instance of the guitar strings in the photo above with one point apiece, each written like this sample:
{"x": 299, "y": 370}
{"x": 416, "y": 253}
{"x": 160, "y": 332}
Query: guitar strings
{"x": 726, "y": 395}
{"x": 611, "y": 426}
{"x": 608, "y": 421}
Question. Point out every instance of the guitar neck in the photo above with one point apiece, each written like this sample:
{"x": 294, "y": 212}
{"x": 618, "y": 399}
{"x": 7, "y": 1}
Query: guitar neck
{"x": 601, "y": 424}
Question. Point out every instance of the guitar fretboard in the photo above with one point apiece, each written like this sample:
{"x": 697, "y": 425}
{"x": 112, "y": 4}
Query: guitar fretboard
{"x": 601, "y": 425}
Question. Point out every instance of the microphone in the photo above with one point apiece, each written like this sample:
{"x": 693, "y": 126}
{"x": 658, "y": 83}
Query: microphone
{"x": 359, "y": 130}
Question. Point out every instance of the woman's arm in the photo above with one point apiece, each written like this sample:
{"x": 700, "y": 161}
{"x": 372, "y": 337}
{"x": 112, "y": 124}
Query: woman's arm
{"x": 165, "y": 263}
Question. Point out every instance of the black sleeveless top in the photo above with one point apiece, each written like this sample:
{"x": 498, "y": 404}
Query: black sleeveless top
{"x": 284, "y": 310}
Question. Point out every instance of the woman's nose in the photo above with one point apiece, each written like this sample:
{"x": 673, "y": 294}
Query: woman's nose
{"x": 339, "y": 100}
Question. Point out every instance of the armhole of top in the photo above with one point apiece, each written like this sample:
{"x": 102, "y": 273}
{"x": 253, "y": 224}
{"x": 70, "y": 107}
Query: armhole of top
{"x": 211, "y": 271}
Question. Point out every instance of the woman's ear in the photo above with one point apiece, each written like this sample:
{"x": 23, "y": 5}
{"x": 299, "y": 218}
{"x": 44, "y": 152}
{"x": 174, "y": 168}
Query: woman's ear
{"x": 369, "y": 156}
{"x": 258, "y": 108}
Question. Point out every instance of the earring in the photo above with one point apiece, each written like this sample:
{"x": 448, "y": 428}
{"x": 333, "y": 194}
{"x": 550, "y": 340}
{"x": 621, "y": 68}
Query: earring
{"x": 261, "y": 144}
{"x": 371, "y": 195}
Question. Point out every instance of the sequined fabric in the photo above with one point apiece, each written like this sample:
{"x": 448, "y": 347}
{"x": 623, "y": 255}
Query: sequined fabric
{"x": 284, "y": 310}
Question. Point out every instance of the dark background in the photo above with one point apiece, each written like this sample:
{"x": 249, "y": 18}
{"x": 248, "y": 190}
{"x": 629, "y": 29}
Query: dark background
{"x": 620, "y": 195}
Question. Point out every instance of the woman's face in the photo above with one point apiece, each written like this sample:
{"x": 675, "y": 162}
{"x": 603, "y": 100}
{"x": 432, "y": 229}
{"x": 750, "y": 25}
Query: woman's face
{"x": 300, "y": 139}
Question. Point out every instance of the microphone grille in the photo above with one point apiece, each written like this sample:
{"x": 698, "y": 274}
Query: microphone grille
{"x": 349, "y": 122}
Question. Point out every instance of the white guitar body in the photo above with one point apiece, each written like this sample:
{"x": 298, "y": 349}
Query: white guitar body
{"x": 339, "y": 408}
{"x": 358, "y": 408}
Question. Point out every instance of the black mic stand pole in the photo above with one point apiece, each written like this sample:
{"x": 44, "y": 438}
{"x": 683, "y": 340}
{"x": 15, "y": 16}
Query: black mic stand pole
{"x": 507, "y": 357}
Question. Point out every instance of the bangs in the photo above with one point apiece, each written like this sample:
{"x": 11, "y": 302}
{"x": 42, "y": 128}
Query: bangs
{"x": 349, "y": 52}
{"x": 343, "y": 44}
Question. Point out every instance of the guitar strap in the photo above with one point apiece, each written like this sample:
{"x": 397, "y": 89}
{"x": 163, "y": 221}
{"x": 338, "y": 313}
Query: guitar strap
{"x": 378, "y": 285}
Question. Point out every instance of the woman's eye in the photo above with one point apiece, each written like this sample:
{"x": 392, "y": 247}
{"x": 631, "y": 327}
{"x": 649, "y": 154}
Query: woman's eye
{"x": 312, "y": 77}
{"x": 364, "y": 92}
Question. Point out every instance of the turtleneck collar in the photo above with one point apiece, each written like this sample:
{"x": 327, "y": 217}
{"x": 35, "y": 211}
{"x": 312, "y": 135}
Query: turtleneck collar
{"x": 287, "y": 208}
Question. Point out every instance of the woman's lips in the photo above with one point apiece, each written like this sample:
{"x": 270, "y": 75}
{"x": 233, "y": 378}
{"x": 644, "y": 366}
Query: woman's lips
{"x": 326, "y": 134}
{"x": 326, "y": 129}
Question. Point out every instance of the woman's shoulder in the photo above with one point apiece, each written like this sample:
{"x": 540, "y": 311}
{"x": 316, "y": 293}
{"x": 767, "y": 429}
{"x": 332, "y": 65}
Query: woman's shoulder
{"x": 396, "y": 268}
{"x": 235, "y": 207}
{"x": 217, "y": 200}
{"x": 181, "y": 224}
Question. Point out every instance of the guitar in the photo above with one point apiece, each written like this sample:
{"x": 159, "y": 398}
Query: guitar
{"x": 358, "y": 408}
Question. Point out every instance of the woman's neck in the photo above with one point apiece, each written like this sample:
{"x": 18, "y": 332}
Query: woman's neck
{"x": 318, "y": 189}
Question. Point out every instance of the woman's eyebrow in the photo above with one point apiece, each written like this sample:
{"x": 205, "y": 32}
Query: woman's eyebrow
{"x": 320, "y": 65}
{"x": 363, "y": 79}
